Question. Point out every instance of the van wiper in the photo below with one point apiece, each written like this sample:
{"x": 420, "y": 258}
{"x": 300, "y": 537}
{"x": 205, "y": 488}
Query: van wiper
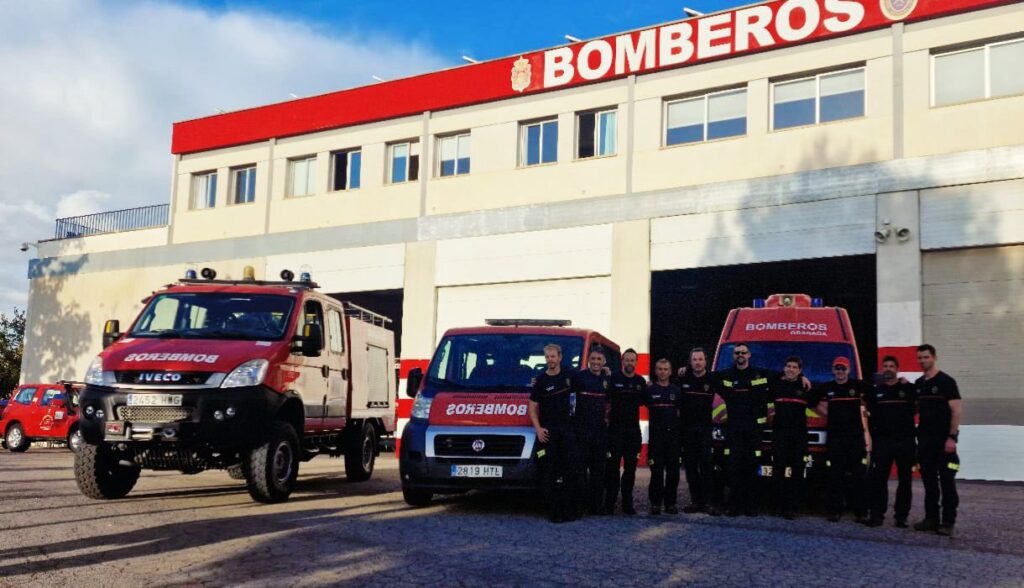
{"x": 217, "y": 334}
{"x": 447, "y": 383}
{"x": 160, "y": 334}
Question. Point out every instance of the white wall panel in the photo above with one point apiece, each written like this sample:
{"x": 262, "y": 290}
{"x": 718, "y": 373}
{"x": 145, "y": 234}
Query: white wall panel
{"x": 347, "y": 270}
{"x": 827, "y": 228}
{"x": 977, "y": 214}
{"x": 585, "y": 301}
{"x": 537, "y": 255}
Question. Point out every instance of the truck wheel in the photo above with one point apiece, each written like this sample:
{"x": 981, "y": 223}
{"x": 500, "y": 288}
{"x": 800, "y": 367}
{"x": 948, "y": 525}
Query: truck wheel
{"x": 16, "y": 440}
{"x": 100, "y": 474}
{"x": 235, "y": 472}
{"x": 416, "y": 497}
{"x": 75, "y": 441}
{"x": 271, "y": 468}
{"x": 361, "y": 454}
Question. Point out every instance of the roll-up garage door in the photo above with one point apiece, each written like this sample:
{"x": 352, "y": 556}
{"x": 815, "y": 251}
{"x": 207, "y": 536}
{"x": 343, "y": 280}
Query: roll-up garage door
{"x": 974, "y": 316}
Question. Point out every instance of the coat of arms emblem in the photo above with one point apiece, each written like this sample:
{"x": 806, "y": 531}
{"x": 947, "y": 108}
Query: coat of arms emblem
{"x": 521, "y": 74}
{"x": 897, "y": 9}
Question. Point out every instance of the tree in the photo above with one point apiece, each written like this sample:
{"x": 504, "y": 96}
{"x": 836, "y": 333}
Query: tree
{"x": 12, "y": 344}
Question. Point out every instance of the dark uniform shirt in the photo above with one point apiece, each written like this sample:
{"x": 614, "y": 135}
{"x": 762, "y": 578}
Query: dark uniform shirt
{"x": 591, "y": 401}
{"x": 553, "y": 395}
{"x": 698, "y": 397}
{"x": 791, "y": 401}
{"x": 627, "y": 393}
{"x": 933, "y": 398}
{"x": 663, "y": 406}
{"x": 844, "y": 404}
{"x": 745, "y": 393}
{"x": 891, "y": 409}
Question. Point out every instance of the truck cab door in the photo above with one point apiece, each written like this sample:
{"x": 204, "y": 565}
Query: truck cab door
{"x": 36, "y": 423}
{"x": 313, "y": 372}
{"x": 54, "y": 414}
{"x": 337, "y": 364}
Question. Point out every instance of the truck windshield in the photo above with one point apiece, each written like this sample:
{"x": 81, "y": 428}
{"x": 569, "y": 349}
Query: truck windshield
{"x": 497, "y": 361}
{"x": 771, "y": 355}
{"x": 215, "y": 315}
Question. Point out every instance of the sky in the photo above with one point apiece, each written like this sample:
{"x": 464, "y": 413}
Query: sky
{"x": 90, "y": 89}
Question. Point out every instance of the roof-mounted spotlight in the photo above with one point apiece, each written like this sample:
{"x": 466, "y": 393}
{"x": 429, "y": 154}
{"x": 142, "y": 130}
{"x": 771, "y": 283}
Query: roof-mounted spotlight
{"x": 691, "y": 12}
{"x": 208, "y": 273}
{"x": 572, "y": 39}
{"x": 287, "y": 275}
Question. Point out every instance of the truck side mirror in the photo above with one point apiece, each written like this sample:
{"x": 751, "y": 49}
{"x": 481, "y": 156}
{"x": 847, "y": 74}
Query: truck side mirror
{"x": 111, "y": 332}
{"x": 412, "y": 382}
{"x": 312, "y": 340}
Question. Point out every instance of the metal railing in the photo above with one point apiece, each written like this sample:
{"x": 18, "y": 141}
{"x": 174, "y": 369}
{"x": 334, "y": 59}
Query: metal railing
{"x": 114, "y": 221}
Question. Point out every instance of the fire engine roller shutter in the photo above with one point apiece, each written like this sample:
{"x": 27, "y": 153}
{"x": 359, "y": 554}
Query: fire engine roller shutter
{"x": 974, "y": 316}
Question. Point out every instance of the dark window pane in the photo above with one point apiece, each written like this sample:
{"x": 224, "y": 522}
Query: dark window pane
{"x": 550, "y": 150}
{"x": 463, "y": 165}
{"x": 688, "y": 134}
{"x": 354, "y": 169}
{"x": 585, "y": 139}
{"x": 398, "y": 169}
{"x": 211, "y": 193}
{"x": 414, "y": 168}
{"x": 840, "y": 106}
{"x": 727, "y": 128}
{"x": 794, "y": 114}
{"x": 532, "y": 145}
{"x": 340, "y": 171}
{"x": 448, "y": 167}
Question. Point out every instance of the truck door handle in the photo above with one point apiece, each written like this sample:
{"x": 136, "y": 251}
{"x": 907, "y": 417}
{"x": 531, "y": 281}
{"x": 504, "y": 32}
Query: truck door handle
{"x": 325, "y": 370}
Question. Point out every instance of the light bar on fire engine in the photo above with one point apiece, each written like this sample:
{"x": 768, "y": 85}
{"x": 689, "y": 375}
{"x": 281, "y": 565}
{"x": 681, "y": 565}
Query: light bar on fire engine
{"x": 528, "y": 322}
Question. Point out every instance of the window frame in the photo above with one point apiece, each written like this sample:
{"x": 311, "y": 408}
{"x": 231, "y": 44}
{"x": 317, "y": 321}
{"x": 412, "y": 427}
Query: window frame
{"x": 468, "y": 135}
{"x": 987, "y": 65}
{"x": 706, "y": 96}
{"x": 336, "y": 345}
{"x": 817, "y": 96}
{"x": 30, "y": 395}
{"x": 349, "y": 152}
{"x": 596, "y": 112}
{"x": 193, "y": 193}
{"x": 389, "y": 168}
{"x": 310, "y": 182}
{"x": 523, "y": 131}
{"x": 234, "y": 184}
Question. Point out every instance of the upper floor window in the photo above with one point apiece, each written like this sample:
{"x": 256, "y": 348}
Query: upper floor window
{"x": 702, "y": 118}
{"x": 538, "y": 142}
{"x": 453, "y": 155}
{"x": 347, "y": 169}
{"x": 403, "y": 162}
{"x": 977, "y": 73}
{"x": 817, "y": 99}
{"x": 302, "y": 176}
{"x": 596, "y": 133}
{"x": 245, "y": 185}
{"x": 204, "y": 190}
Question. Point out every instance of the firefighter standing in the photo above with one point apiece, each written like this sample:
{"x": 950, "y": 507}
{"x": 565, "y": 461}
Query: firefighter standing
{"x": 624, "y": 439}
{"x": 550, "y": 412}
{"x": 695, "y": 429}
{"x": 662, "y": 400}
{"x": 789, "y": 437}
{"x": 848, "y": 441}
{"x": 891, "y": 419}
{"x": 591, "y": 422}
{"x": 938, "y": 400}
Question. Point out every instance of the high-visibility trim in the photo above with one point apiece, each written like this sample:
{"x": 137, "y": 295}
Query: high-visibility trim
{"x": 759, "y": 381}
{"x": 717, "y": 410}
{"x": 542, "y": 453}
{"x": 727, "y": 383}
{"x": 757, "y": 453}
{"x": 762, "y": 420}
{"x": 726, "y": 452}
{"x": 953, "y": 466}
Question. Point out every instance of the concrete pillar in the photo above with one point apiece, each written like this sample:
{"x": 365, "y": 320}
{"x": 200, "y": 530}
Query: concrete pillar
{"x": 419, "y": 306}
{"x": 898, "y": 270}
{"x": 631, "y": 287}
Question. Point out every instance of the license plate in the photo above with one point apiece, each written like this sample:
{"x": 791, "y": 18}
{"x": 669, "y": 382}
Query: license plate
{"x": 154, "y": 400}
{"x": 476, "y": 471}
{"x": 765, "y": 471}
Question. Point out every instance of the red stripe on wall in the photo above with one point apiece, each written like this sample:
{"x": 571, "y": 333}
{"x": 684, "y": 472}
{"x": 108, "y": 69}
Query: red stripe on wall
{"x": 643, "y": 364}
{"x": 907, "y": 356}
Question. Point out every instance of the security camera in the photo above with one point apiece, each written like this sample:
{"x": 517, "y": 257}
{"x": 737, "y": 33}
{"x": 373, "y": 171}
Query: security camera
{"x": 24, "y": 247}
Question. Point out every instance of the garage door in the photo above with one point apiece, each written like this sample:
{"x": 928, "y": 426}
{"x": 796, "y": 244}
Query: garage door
{"x": 585, "y": 301}
{"x": 974, "y": 315}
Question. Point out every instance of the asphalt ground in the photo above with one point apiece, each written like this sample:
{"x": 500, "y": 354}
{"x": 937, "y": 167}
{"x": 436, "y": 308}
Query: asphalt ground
{"x": 203, "y": 530}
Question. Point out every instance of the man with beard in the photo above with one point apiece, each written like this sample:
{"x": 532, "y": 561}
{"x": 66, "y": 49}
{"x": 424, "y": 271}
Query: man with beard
{"x": 891, "y": 419}
{"x": 624, "y": 439}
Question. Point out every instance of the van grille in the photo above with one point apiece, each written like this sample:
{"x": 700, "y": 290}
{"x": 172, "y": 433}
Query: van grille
{"x": 173, "y": 378}
{"x": 494, "y": 445}
{"x": 154, "y": 414}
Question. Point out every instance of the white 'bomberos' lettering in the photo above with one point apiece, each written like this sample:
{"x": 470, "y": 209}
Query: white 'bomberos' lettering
{"x": 753, "y": 22}
{"x": 185, "y": 357}
{"x": 503, "y": 409}
{"x": 604, "y": 60}
{"x": 784, "y": 19}
{"x": 853, "y": 11}
{"x": 710, "y": 30}
{"x": 638, "y": 56}
{"x": 558, "y": 69}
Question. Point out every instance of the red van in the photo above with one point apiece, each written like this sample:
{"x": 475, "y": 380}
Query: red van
{"x": 40, "y": 412}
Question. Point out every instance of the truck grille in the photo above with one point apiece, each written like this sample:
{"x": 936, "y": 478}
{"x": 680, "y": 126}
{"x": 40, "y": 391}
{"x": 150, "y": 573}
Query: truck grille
{"x": 153, "y": 414}
{"x": 165, "y": 378}
{"x": 494, "y": 445}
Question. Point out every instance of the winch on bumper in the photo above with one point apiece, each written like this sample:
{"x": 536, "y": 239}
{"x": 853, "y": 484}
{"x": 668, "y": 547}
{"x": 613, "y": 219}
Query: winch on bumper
{"x": 211, "y": 417}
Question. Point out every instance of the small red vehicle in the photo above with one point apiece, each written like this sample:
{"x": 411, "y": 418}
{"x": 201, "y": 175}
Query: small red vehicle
{"x": 41, "y": 412}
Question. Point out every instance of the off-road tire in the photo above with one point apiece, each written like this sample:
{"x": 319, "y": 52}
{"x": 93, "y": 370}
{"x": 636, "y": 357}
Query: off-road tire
{"x": 99, "y": 474}
{"x": 18, "y": 433}
{"x": 75, "y": 440}
{"x": 272, "y": 466}
{"x": 416, "y": 497}
{"x": 361, "y": 453}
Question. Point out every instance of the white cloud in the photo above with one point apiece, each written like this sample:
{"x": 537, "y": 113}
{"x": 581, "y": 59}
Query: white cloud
{"x": 90, "y": 90}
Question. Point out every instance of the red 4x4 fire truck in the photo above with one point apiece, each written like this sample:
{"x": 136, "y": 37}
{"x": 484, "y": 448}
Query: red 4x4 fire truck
{"x": 40, "y": 412}
{"x": 249, "y": 376}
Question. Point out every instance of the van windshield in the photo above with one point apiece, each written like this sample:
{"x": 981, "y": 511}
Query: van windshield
{"x": 215, "y": 315}
{"x": 771, "y": 355}
{"x": 497, "y": 361}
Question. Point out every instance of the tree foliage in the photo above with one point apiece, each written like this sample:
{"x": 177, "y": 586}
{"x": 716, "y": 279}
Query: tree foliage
{"x": 12, "y": 344}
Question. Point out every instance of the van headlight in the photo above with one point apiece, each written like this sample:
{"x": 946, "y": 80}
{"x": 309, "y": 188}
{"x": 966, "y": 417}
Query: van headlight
{"x": 94, "y": 374}
{"x": 421, "y": 406}
{"x": 250, "y": 373}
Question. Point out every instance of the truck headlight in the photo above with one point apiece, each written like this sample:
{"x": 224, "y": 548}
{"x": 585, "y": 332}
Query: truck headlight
{"x": 95, "y": 375}
{"x": 250, "y": 373}
{"x": 421, "y": 406}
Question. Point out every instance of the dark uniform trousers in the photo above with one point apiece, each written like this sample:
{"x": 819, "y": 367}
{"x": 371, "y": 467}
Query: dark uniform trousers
{"x": 742, "y": 444}
{"x": 558, "y": 461}
{"x": 623, "y": 447}
{"x": 698, "y": 461}
{"x": 886, "y": 450}
{"x": 938, "y": 472}
{"x": 846, "y": 456}
{"x": 593, "y": 447}
{"x": 663, "y": 456}
{"x": 788, "y": 451}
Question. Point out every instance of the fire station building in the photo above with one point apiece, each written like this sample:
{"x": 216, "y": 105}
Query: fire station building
{"x": 866, "y": 152}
